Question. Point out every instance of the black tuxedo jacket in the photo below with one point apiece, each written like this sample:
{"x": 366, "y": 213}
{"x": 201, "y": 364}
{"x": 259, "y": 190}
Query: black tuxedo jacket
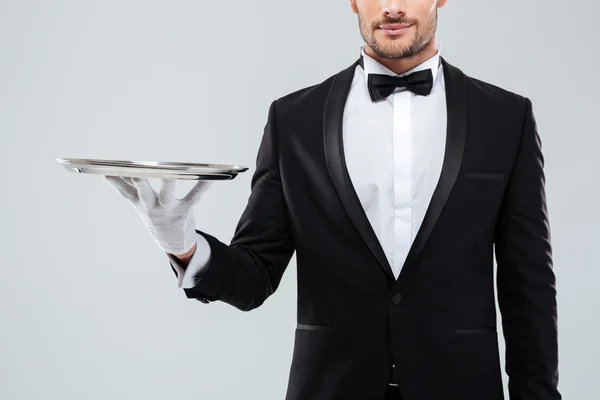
{"x": 437, "y": 321}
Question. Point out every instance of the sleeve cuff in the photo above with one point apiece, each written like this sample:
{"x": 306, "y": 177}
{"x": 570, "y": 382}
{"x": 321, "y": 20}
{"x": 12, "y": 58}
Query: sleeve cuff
{"x": 188, "y": 276}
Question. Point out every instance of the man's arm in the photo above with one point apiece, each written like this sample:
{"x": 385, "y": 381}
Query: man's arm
{"x": 248, "y": 270}
{"x": 526, "y": 281}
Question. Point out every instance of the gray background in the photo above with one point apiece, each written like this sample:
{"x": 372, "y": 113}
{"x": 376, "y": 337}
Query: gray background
{"x": 89, "y": 307}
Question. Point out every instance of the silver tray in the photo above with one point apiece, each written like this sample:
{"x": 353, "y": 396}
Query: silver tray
{"x": 152, "y": 169}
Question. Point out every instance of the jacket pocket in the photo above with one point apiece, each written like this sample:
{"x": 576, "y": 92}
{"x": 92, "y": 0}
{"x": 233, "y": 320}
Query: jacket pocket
{"x": 484, "y": 175}
{"x": 475, "y": 331}
{"x": 313, "y": 327}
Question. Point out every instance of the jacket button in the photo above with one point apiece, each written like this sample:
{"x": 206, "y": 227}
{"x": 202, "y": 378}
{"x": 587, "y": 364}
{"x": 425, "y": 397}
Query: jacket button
{"x": 396, "y": 299}
{"x": 203, "y": 300}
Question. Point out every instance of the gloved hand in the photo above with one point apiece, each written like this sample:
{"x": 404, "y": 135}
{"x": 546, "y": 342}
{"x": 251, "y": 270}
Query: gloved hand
{"x": 170, "y": 221}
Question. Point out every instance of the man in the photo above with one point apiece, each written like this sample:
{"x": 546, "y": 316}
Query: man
{"x": 392, "y": 180}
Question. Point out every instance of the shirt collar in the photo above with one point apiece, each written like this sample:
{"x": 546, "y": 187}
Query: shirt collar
{"x": 371, "y": 66}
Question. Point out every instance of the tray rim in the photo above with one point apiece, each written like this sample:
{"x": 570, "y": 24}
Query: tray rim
{"x": 200, "y": 168}
{"x": 101, "y": 170}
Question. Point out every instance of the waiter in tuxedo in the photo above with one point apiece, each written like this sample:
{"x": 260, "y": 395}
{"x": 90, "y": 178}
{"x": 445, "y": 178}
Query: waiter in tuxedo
{"x": 395, "y": 181}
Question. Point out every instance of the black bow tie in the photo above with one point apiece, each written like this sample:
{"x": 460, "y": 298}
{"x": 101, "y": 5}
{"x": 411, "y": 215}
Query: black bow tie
{"x": 381, "y": 86}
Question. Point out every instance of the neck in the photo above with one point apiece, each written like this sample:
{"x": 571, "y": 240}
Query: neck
{"x": 402, "y": 65}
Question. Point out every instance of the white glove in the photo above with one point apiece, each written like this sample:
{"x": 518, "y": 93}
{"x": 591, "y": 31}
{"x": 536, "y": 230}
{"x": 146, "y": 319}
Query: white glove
{"x": 170, "y": 221}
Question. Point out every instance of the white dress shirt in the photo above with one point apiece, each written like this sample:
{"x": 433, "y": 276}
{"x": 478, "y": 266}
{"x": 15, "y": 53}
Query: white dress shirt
{"x": 394, "y": 151}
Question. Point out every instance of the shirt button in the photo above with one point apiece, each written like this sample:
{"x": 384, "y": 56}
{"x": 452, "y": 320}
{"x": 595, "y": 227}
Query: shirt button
{"x": 396, "y": 299}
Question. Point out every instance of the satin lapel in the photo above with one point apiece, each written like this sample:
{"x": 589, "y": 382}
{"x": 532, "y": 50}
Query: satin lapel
{"x": 457, "y": 103}
{"x": 336, "y": 163}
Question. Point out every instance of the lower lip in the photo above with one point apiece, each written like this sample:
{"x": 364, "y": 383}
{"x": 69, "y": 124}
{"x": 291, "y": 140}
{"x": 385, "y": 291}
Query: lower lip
{"x": 392, "y": 32}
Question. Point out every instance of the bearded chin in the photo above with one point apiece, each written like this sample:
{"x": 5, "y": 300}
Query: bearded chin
{"x": 394, "y": 50}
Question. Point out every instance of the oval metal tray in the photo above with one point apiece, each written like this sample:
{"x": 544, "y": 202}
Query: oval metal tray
{"x": 152, "y": 169}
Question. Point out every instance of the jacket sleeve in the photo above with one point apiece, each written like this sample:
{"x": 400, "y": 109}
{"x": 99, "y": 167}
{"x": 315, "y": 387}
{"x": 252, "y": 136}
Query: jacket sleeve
{"x": 526, "y": 280}
{"x": 248, "y": 270}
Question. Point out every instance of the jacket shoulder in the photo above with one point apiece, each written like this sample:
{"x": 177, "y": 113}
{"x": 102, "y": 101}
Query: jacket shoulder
{"x": 486, "y": 90}
{"x": 495, "y": 103}
{"x": 489, "y": 102}
{"x": 310, "y": 98}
